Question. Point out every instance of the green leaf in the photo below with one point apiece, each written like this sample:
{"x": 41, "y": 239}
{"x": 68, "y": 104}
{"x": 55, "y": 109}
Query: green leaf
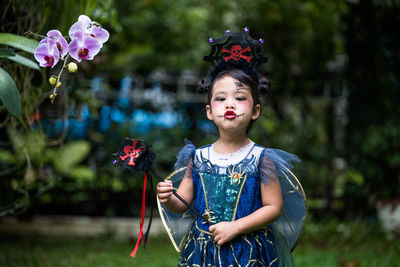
{"x": 71, "y": 155}
{"x": 20, "y": 42}
{"x": 25, "y": 61}
{"x": 82, "y": 174}
{"x": 6, "y": 52}
{"x": 6, "y": 156}
{"x": 9, "y": 93}
{"x": 355, "y": 177}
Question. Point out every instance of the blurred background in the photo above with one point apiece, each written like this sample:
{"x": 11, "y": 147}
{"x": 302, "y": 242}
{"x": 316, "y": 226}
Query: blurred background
{"x": 334, "y": 102}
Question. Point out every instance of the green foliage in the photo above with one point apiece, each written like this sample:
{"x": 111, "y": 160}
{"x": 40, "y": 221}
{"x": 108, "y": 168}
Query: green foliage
{"x": 24, "y": 61}
{"x": 36, "y": 162}
{"x": 19, "y": 42}
{"x": 9, "y": 93}
{"x": 71, "y": 154}
{"x": 82, "y": 174}
{"x": 350, "y": 177}
{"x": 36, "y": 168}
{"x": 372, "y": 144}
{"x": 6, "y": 157}
{"x": 5, "y": 52}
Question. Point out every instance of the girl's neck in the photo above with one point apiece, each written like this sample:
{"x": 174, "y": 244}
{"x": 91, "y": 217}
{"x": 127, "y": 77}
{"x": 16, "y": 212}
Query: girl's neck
{"x": 230, "y": 143}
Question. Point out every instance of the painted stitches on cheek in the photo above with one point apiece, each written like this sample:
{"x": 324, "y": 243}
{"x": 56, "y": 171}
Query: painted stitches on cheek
{"x": 230, "y": 115}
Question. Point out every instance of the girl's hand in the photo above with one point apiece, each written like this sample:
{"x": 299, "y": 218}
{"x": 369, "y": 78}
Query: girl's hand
{"x": 164, "y": 191}
{"x": 224, "y": 232}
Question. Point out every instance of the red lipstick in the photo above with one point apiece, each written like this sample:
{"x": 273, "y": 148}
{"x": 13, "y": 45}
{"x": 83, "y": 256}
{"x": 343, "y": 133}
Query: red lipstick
{"x": 230, "y": 115}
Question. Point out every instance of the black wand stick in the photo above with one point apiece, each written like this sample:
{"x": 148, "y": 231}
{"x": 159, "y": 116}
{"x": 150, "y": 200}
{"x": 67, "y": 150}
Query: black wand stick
{"x": 136, "y": 156}
{"x": 183, "y": 200}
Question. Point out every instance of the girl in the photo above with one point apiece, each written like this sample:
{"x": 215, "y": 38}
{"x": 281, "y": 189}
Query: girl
{"x": 237, "y": 185}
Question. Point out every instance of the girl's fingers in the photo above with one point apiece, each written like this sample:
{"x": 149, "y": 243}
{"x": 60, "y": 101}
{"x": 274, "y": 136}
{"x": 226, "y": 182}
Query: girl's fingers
{"x": 164, "y": 195}
{"x": 164, "y": 198}
{"x": 218, "y": 240}
{"x": 167, "y": 183}
{"x": 164, "y": 189}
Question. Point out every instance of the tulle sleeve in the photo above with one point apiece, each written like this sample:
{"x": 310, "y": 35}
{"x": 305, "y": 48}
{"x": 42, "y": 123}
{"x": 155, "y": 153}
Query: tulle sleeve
{"x": 277, "y": 164}
{"x": 267, "y": 170}
{"x": 275, "y": 161}
{"x": 185, "y": 156}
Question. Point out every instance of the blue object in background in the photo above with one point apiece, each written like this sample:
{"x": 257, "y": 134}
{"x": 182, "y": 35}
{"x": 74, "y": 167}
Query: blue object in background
{"x": 125, "y": 87}
{"x": 119, "y": 113}
{"x": 104, "y": 123}
{"x": 78, "y": 128}
{"x": 146, "y": 121}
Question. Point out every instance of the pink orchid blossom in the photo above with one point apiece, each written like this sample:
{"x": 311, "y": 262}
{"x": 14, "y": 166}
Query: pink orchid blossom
{"x": 47, "y": 53}
{"x": 61, "y": 43}
{"x": 89, "y": 28}
{"x": 83, "y": 47}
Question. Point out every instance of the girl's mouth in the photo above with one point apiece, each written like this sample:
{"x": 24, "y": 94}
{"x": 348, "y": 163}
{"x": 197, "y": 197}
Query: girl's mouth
{"x": 230, "y": 115}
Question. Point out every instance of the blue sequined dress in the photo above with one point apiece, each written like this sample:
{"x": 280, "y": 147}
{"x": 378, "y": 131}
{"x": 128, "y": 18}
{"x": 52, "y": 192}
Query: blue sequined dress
{"x": 226, "y": 188}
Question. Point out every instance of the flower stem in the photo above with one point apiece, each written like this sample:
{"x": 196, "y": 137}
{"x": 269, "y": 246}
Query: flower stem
{"x": 58, "y": 79}
{"x": 37, "y": 36}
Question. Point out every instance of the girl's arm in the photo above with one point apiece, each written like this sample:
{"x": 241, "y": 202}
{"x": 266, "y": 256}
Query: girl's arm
{"x": 185, "y": 190}
{"x": 272, "y": 205}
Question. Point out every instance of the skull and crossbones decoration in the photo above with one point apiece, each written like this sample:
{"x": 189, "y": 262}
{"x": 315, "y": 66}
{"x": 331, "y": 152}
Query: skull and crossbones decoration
{"x": 132, "y": 152}
{"x": 236, "y": 53}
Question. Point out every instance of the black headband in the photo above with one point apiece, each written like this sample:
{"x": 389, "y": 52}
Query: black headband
{"x": 235, "y": 51}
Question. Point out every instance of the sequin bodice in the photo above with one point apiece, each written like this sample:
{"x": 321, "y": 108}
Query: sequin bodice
{"x": 225, "y": 193}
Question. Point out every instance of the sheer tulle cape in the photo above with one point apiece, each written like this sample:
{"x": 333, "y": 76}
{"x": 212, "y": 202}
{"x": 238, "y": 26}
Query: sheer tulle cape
{"x": 287, "y": 229}
{"x": 178, "y": 225}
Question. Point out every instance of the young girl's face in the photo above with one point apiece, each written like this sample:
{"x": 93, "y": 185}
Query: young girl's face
{"x": 231, "y": 106}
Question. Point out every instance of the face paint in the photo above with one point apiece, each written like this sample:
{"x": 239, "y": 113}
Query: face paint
{"x": 240, "y": 86}
{"x": 231, "y": 105}
{"x": 230, "y": 115}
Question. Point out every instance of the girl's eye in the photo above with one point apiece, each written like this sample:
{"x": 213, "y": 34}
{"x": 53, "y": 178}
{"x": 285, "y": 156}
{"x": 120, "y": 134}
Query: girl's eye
{"x": 219, "y": 98}
{"x": 240, "y": 98}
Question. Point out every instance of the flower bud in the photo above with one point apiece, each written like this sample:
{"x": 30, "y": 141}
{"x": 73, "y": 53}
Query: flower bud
{"x": 53, "y": 80}
{"x": 72, "y": 67}
{"x": 58, "y": 84}
{"x": 52, "y": 96}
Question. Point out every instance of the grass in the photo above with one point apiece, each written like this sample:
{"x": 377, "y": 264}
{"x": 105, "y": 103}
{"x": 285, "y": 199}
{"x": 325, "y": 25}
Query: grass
{"x": 350, "y": 244}
{"x": 323, "y": 244}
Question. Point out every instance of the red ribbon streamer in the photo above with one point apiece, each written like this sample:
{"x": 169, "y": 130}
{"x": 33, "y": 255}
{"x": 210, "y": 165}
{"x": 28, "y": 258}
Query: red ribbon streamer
{"x": 142, "y": 212}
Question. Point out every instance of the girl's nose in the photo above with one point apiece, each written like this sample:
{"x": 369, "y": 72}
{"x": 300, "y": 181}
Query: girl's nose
{"x": 230, "y": 105}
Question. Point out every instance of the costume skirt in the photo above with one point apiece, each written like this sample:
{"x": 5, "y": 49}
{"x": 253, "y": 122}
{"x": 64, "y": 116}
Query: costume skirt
{"x": 255, "y": 249}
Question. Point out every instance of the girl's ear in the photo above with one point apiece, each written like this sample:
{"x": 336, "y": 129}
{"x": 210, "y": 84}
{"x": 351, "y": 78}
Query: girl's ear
{"x": 256, "y": 112}
{"x": 209, "y": 113}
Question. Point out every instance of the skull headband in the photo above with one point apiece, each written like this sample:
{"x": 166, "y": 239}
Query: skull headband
{"x": 235, "y": 51}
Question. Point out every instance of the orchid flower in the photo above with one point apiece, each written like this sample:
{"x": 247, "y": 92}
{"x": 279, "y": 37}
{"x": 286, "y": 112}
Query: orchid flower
{"x": 47, "y": 53}
{"x": 83, "y": 47}
{"x": 61, "y": 43}
{"x": 87, "y": 38}
{"x": 89, "y": 28}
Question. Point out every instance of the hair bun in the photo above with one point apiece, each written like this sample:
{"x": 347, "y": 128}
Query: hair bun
{"x": 264, "y": 85}
{"x": 204, "y": 86}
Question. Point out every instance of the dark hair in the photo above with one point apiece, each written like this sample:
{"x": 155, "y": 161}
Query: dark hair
{"x": 257, "y": 88}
